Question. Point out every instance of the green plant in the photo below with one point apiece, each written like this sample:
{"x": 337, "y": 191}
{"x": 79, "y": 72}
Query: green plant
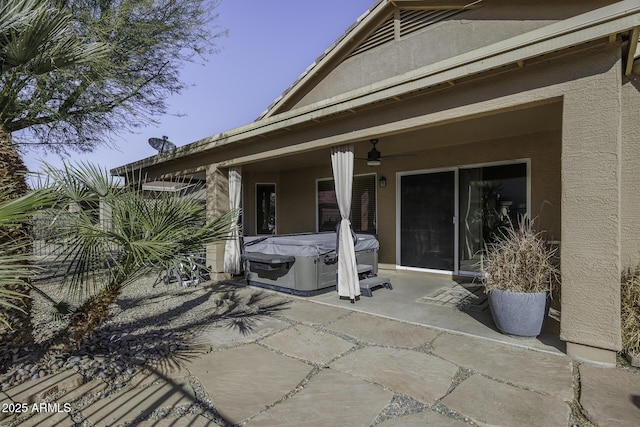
{"x": 521, "y": 261}
{"x": 15, "y": 255}
{"x": 630, "y": 313}
{"x": 145, "y": 232}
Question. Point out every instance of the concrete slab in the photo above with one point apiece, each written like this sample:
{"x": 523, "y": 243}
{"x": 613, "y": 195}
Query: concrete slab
{"x": 402, "y": 303}
{"x": 329, "y": 399}
{"x": 192, "y": 421}
{"x": 535, "y": 370}
{"x": 35, "y": 391}
{"x": 380, "y": 331}
{"x": 139, "y": 403}
{"x": 490, "y": 403}
{"x": 311, "y": 313}
{"x": 242, "y": 381}
{"x": 609, "y": 396}
{"x": 421, "y": 419}
{"x": 419, "y": 375}
{"x": 173, "y": 368}
{"x": 249, "y": 330}
{"x": 307, "y": 343}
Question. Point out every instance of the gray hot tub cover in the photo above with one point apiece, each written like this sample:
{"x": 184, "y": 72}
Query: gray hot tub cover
{"x": 311, "y": 244}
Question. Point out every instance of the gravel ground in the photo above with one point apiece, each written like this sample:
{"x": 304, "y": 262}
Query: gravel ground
{"x": 149, "y": 325}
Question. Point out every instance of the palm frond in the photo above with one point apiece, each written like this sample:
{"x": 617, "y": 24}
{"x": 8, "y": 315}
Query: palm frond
{"x": 146, "y": 231}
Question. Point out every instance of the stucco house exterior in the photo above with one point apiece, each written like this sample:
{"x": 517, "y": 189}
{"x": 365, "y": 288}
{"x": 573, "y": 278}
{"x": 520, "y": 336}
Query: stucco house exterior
{"x": 482, "y": 111}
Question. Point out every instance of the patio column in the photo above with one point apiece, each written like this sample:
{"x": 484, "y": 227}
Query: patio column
{"x": 591, "y": 217}
{"x": 217, "y": 203}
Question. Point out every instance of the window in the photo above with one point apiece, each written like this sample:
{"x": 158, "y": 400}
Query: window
{"x": 363, "y": 204}
{"x": 265, "y": 208}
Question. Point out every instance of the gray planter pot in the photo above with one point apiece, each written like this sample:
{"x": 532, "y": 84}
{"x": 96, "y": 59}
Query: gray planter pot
{"x": 517, "y": 313}
{"x": 634, "y": 359}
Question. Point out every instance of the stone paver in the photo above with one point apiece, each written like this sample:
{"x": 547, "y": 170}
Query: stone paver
{"x": 49, "y": 419}
{"x": 329, "y": 399}
{"x": 250, "y": 331}
{"x": 309, "y": 344}
{"x": 139, "y": 403}
{"x": 311, "y": 313}
{"x": 35, "y": 391}
{"x": 419, "y": 375}
{"x": 422, "y": 419}
{"x": 610, "y": 397}
{"x": 242, "y": 381}
{"x": 490, "y": 403}
{"x": 381, "y": 331}
{"x": 89, "y": 389}
{"x": 192, "y": 421}
{"x": 538, "y": 371}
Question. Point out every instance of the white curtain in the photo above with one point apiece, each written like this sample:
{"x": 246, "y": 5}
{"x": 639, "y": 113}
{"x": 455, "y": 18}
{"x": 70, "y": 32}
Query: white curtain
{"x": 232, "y": 245}
{"x": 342, "y": 163}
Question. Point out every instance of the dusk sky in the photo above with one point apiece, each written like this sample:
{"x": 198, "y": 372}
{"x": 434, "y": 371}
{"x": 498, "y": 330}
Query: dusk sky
{"x": 270, "y": 43}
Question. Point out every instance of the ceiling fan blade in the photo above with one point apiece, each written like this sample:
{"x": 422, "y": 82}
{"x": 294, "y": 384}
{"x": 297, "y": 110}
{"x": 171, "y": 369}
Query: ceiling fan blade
{"x": 397, "y": 156}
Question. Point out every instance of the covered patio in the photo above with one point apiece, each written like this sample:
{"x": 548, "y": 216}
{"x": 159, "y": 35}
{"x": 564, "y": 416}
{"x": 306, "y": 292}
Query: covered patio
{"x": 407, "y": 303}
{"x": 540, "y": 121}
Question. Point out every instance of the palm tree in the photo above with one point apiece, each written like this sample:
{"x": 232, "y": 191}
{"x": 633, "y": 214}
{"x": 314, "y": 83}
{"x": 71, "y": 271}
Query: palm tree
{"x": 36, "y": 39}
{"x": 15, "y": 268}
{"x": 144, "y": 233}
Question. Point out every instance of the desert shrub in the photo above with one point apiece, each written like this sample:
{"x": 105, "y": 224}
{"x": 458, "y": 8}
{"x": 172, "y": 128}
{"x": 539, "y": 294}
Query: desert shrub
{"x": 520, "y": 260}
{"x": 630, "y": 301}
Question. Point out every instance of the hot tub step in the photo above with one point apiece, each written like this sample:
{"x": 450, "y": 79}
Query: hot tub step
{"x": 370, "y": 283}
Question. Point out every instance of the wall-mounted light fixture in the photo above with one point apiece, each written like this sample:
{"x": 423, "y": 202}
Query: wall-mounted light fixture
{"x": 382, "y": 182}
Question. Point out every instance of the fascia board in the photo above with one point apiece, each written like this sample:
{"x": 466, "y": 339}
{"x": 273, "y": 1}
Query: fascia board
{"x": 616, "y": 18}
{"x": 363, "y": 20}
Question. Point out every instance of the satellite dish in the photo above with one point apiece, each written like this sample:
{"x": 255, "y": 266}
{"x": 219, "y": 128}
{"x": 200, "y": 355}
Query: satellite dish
{"x": 162, "y": 145}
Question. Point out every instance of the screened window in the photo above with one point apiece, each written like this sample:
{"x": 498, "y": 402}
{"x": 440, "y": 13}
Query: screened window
{"x": 363, "y": 204}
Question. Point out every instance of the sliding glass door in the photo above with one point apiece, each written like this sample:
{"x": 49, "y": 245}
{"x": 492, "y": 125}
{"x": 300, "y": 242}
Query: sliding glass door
{"x": 491, "y": 198}
{"x": 427, "y": 206}
{"x": 447, "y": 218}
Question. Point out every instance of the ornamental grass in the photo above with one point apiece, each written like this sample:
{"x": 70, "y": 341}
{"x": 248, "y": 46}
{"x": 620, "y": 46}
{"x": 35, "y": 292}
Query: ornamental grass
{"x": 520, "y": 260}
{"x": 630, "y": 301}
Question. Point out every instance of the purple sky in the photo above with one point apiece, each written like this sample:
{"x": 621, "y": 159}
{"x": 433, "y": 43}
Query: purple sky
{"x": 270, "y": 43}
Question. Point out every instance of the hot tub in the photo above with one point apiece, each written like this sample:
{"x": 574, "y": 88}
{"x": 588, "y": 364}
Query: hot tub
{"x": 302, "y": 264}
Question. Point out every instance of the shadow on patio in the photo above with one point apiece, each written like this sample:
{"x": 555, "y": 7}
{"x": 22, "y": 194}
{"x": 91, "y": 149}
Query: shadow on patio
{"x": 406, "y": 302}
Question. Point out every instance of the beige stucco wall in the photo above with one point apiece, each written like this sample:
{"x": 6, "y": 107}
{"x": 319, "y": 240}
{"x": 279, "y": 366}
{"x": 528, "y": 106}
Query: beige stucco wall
{"x": 217, "y": 200}
{"x": 591, "y": 214}
{"x": 296, "y": 192}
{"x": 630, "y": 198}
{"x": 493, "y": 21}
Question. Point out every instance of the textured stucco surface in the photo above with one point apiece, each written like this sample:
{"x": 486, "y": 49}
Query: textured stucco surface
{"x": 630, "y": 198}
{"x": 217, "y": 200}
{"x": 493, "y": 21}
{"x": 591, "y": 218}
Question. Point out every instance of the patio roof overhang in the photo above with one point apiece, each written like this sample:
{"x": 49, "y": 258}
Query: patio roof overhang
{"x": 617, "y": 22}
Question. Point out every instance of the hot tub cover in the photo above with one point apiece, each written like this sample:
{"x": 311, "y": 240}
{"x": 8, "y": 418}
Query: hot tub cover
{"x": 307, "y": 244}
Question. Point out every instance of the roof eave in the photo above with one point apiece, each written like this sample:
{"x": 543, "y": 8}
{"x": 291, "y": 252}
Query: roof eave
{"x": 610, "y": 20}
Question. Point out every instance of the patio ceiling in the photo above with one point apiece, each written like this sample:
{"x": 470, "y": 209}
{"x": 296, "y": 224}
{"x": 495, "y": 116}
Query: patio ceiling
{"x": 541, "y": 118}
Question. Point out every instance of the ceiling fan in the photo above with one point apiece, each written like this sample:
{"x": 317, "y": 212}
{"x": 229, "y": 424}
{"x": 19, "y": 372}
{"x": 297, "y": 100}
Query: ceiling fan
{"x": 374, "y": 157}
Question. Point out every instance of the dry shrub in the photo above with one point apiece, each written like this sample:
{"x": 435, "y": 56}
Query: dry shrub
{"x": 630, "y": 299}
{"x": 521, "y": 261}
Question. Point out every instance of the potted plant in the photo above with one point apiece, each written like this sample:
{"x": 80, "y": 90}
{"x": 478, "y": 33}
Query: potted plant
{"x": 630, "y": 315}
{"x": 520, "y": 275}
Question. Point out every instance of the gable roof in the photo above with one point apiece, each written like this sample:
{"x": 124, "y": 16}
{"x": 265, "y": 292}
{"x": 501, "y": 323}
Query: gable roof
{"x": 621, "y": 19}
{"x": 382, "y": 22}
